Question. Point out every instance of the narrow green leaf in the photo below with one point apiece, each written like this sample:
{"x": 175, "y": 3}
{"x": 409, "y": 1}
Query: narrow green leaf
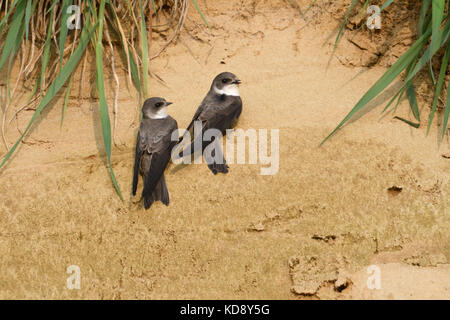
{"x": 437, "y": 9}
{"x": 407, "y": 87}
{"x": 431, "y": 51}
{"x": 8, "y": 78}
{"x": 56, "y": 85}
{"x": 144, "y": 48}
{"x": 341, "y": 28}
{"x": 27, "y": 18}
{"x": 6, "y": 17}
{"x": 426, "y": 58}
{"x": 412, "y": 98}
{"x": 13, "y": 32}
{"x": 439, "y": 84}
{"x": 364, "y": 7}
{"x": 406, "y": 59}
{"x": 431, "y": 72}
{"x": 411, "y": 93}
{"x": 399, "y": 92}
{"x": 64, "y": 30}
{"x": 446, "y": 114}
{"x": 46, "y": 53}
{"x": 309, "y": 7}
{"x": 66, "y": 100}
{"x": 386, "y": 4}
{"x": 134, "y": 73}
{"x": 423, "y": 14}
{"x": 200, "y": 12}
{"x": 104, "y": 115}
{"x": 11, "y": 61}
{"x": 51, "y": 7}
{"x": 412, "y": 124}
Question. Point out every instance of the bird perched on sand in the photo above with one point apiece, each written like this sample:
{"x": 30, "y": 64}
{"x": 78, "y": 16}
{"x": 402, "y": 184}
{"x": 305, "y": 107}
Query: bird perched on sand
{"x": 153, "y": 150}
{"x": 220, "y": 109}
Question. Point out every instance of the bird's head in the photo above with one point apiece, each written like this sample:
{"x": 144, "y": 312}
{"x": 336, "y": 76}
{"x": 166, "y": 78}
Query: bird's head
{"x": 226, "y": 83}
{"x": 155, "y": 108}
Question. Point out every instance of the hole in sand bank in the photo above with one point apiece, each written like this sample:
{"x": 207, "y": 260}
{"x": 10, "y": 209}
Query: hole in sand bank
{"x": 394, "y": 191}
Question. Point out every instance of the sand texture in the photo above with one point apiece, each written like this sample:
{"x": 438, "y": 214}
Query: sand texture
{"x": 377, "y": 193}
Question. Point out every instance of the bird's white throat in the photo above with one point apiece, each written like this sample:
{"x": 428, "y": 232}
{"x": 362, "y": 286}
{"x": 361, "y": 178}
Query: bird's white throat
{"x": 228, "y": 90}
{"x": 160, "y": 114}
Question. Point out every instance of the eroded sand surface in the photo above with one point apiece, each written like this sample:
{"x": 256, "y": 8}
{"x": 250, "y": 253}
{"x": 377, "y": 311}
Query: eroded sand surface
{"x": 309, "y": 231}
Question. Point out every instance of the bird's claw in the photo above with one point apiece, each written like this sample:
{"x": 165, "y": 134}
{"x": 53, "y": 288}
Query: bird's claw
{"x": 216, "y": 168}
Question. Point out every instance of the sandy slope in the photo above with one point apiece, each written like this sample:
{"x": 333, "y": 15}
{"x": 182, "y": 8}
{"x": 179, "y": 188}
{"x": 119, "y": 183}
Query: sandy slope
{"x": 310, "y": 230}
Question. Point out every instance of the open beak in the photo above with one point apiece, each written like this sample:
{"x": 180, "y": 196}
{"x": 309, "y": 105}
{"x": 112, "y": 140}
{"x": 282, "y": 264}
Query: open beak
{"x": 168, "y": 103}
{"x": 237, "y": 81}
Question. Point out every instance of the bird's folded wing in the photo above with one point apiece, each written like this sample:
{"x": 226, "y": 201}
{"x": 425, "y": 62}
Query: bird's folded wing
{"x": 137, "y": 161}
{"x": 221, "y": 119}
{"x": 160, "y": 150}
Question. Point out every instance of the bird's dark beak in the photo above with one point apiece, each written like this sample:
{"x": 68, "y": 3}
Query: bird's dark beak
{"x": 237, "y": 81}
{"x": 168, "y": 103}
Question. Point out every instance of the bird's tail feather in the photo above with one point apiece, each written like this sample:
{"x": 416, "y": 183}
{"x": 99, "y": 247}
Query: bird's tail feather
{"x": 161, "y": 193}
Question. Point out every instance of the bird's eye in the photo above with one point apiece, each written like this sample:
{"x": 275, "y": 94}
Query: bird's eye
{"x": 224, "y": 80}
{"x": 159, "y": 104}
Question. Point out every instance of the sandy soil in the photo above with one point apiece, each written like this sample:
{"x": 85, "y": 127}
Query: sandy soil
{"x": 310, "y": 231}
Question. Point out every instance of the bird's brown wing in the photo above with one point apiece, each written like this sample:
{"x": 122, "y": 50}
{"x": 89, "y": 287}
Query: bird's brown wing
{"x": 211, "y": 117}
{"x": 141, "y": 144}
{"x": 221, "y": 119}
{"x": 159, "y": 146}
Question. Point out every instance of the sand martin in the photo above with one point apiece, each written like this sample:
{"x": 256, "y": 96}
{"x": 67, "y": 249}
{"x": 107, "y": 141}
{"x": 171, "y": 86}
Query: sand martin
{"x": 153, "y": 149}
{"x": 220, "y": 109}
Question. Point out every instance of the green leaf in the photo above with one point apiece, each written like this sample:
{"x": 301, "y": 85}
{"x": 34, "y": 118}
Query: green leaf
{"x": 386, "y": 4}
{"x": 446, "y": 113}
{"x": 431, "y": 51}
{"x": 6, "y": 17}
{"x": 200, "y": 12}
{"x": 13, "y": 32}
{"x": 399, "y": 93}
{"x": 144, "y": 48}
{"x": 423, "y": 13}
{"x": 409, "y": 88}
{"x": 411, "y": 93}
{"x": 439, "y": 84}
{"x": 46, "y": 53}
{"x": 66, "y": 100}
{"x": 64, "y": 30}
{"x": 56, "y": 85}
{"x": 309, "y": 7}
{"x": 341, "y": 28}
{"x": 406, "y": 59}
{"x": 104, "y": 115}
{"x": 135, "y": 73}
{"x": 412, "y": 124}
{"x": 412, "y": 98}
{"x": 437, "y": 16}
{"x": 27, "y": 18}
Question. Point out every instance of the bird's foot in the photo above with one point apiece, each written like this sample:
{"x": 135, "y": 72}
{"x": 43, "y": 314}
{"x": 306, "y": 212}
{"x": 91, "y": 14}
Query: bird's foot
{"x": 216, "y": 168}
